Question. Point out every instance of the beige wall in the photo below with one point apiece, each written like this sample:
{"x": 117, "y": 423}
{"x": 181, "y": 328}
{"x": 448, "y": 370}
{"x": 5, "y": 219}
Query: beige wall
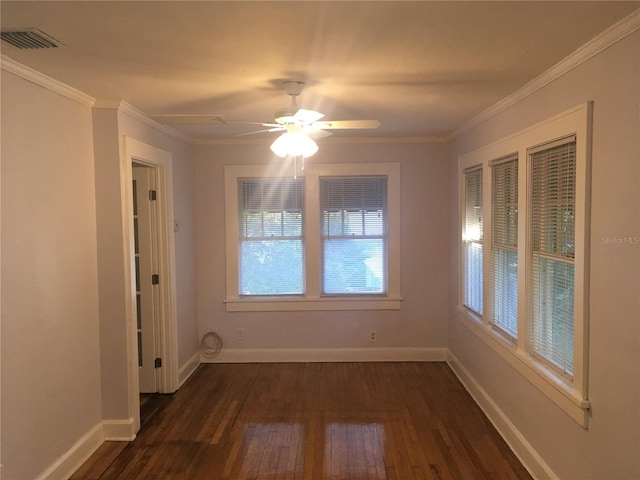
{"x": 420, "y": 324}
{"x": 609, "y": 448}
{"x": 50, "y": 337}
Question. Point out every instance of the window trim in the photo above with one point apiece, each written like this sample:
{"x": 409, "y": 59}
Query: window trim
{"x": 569, "y": 394}
{"x": 313, "y": 299}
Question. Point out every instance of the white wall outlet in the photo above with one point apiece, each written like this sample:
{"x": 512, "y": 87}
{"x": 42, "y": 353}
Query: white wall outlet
{"x": 372, "y": 335}
{"x": 240, "y": 333}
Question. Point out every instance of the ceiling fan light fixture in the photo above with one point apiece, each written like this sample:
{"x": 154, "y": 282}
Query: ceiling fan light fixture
{"x": 294, "y": 144}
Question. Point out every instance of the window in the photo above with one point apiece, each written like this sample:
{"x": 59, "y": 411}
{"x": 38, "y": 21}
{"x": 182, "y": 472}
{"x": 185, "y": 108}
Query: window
{"x": 271, "y": 241}
{"x": 534, "y": 287}
{"x": 504, "y": 245}
{"x": 552, "y": 233}
{"x": 473, "y": 240}
{"x": 326, "y": 240}
{"x": 354, "y": 231}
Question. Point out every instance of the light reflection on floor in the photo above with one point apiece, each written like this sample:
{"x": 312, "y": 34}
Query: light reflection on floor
{"x": 353, "y": 450}
{"x": 348, "y": 450}
{"x": 272, "y": 449}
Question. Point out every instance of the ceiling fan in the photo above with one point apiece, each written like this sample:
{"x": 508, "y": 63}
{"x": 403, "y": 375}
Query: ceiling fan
{"x": 297, "y": 125}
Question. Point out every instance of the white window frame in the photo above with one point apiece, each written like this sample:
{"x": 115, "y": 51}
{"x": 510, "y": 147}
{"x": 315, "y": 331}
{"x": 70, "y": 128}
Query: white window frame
{"x": 570, "y": 394}
{"x": 313, "y": 299}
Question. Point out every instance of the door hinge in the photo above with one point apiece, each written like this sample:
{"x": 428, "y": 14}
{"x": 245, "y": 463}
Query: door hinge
{"x": 155, "y": 279}
{"x": 152, "y": 195}
{"x": 158, "y": 363}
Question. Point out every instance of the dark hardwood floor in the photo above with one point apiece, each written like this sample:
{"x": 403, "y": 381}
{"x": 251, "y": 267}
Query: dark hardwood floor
{"x": 346, "y": 421}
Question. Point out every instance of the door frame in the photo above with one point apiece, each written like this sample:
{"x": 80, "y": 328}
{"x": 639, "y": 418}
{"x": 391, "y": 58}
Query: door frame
{"x": 160, "y": 164}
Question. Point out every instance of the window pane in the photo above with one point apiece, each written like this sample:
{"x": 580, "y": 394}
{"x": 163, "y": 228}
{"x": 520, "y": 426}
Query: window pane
{"x": 374, "y": 222}
{"x": 505, "y": 291}
{"x": 354, "y": 266}
{"x": 473, "y": 277}
{"x": 271, "y": 267}
{"x": 272, "y": 222}
{"x": 353, "y": 222}
{"x": 551, "y": 327}
{"x": 553, "y": 200}
{"x": 292, "y": 224}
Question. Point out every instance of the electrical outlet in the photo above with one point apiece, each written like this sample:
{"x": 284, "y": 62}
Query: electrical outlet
{"x": 240, "y": 333}
{"x": 372, "y": 335}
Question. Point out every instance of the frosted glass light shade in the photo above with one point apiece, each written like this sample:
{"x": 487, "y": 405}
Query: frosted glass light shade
{"x": 294, "y": 144}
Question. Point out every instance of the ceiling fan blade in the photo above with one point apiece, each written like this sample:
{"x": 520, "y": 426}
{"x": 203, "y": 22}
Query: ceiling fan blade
{"x": 204, "y": 120}
{"x": 307, "y": 116}
{"x": 190, "y": 119}
{"x": 317, "y": 134}
{"x": 278, "y": 128}
{"x": 347, "y": 124}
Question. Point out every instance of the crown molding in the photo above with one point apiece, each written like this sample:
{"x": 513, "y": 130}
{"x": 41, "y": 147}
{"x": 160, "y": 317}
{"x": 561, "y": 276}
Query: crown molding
{"x": 142, "y": 117}
{"x": 9, "y": 65}
{"x": 604, "y": 40}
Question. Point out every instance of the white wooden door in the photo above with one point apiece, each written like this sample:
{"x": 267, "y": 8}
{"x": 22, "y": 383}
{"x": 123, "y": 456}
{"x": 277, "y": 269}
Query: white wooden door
{"x": 145, "y": 236}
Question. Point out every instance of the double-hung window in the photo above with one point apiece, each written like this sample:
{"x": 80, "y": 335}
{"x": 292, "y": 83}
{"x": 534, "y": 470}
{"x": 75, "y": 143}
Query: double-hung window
{"x": 552, "y": 233}
{"x": 354, "y": 235}
{"x": 328, "y": 239}
{"x": 532, "y": 281}
{"x": 271, "y": 240}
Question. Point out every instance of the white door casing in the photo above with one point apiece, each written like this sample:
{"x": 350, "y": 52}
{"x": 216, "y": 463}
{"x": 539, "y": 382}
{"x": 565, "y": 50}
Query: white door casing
{"x": 159, "y": 162}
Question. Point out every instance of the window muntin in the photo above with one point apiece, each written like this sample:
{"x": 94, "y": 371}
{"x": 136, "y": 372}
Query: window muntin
{"x": 353, "y": 229}
{"x": 271, "y": 237}
{"x": 552, "y": 233}
{"x": 504, "y": 245}
{"x": 472, "y": 241}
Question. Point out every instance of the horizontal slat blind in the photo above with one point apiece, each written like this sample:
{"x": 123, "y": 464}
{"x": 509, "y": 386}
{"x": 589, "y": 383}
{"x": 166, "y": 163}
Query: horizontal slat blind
{"x": 271, "y": 239}
{"x": 473, "y": 240}
{"x": 354, "y": 235}
{"x": 552, "y": 230}
{"x": 504, "y": 245}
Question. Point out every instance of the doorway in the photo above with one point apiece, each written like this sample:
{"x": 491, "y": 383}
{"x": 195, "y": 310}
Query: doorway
{"x": 145, "y": 231}
{"x": 150, "y": 277}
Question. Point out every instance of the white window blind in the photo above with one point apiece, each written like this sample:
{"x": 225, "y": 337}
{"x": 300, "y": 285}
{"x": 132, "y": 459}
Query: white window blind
{"x": 552, "y": 231}
{"x": 271, "y": 245}
{"x": 504, "y": 245}
{"x": 354, "y": 235}
{"x": 472, "y": 240}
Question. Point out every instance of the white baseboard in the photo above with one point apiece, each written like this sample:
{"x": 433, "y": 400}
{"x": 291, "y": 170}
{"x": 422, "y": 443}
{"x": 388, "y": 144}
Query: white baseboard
{"x": 188, "y": 368}
{"x": 273, "y": 355}
{"x": 119, "y": 430}
{"x": 67, "y": 464}
{"x": 527, "y": 455}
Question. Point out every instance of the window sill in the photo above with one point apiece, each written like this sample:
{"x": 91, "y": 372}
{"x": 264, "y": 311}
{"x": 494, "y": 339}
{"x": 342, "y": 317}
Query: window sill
{"x": 553, "y": 386}
{"x": 316, "y": 304}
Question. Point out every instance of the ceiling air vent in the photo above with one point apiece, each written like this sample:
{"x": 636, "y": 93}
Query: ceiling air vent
{"x": 29, "y": 38}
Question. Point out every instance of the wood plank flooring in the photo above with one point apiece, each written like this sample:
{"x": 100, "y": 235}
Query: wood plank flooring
{"x": 311, "y": 421}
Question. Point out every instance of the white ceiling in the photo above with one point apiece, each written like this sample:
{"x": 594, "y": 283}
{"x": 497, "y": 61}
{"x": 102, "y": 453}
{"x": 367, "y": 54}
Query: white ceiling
{"x": 421, "y": 68}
